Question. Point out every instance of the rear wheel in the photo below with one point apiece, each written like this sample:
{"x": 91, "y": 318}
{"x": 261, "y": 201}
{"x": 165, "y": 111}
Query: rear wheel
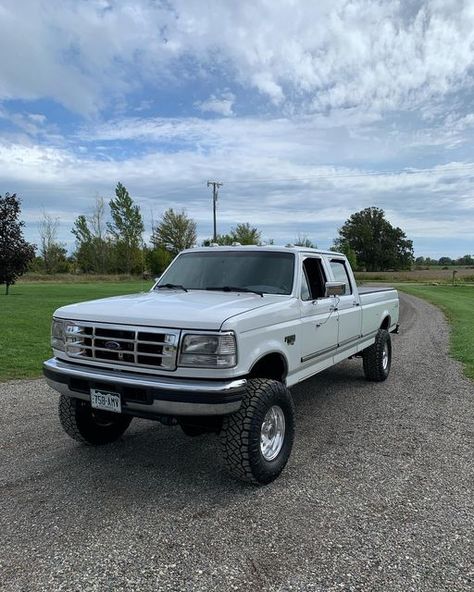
{"x": 377, "y": 358}
{"x": 256, "y": 441}
{"x": 90, "y": 426}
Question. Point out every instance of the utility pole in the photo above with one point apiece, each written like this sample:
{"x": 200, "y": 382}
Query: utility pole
{"x": 215, "y": 190}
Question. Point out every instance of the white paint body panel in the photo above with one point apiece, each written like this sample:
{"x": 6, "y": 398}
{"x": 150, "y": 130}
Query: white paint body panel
{"x": 325, "y": 331}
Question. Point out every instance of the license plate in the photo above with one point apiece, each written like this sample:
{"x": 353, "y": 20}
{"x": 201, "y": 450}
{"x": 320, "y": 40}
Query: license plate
{"x": 106, "y": 400}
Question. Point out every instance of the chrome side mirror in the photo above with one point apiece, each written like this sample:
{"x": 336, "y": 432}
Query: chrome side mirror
{"x": 334, "y": 289}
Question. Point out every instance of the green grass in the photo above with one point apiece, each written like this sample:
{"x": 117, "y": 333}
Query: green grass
{"x": 457, "y": 302}
{"x": 25, "y": 320}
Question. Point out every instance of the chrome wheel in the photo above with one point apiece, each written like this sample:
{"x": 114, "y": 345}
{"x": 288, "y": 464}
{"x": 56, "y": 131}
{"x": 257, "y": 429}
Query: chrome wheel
{"x": 272, "y": 433}
{"x": 385, "y": 357}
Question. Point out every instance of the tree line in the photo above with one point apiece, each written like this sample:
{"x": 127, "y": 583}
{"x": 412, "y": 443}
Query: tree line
{"x": 465, "y": 261}
{"x": 110, "y": 240}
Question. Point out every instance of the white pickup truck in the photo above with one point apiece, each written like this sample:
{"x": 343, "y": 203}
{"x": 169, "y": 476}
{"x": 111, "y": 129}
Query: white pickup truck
{"x": 215, "y": 346}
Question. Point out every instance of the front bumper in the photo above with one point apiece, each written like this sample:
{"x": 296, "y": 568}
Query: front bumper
{"x": 147, "y": 396}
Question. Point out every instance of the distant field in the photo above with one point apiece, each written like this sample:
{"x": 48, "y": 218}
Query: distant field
{"x": 436, "y": 274}
{"x": 457, "y": 302}
{"x": 25, "y": 319}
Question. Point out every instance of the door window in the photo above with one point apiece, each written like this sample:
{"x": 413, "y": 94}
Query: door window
{"x": 313, "y": 284}
{"x": 339, "y": 271}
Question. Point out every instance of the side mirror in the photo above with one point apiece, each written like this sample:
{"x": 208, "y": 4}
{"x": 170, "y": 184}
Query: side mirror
{"x": 334, "y": 289}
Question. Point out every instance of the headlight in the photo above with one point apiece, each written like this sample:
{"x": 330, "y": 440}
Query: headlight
{"x": 67, "y": 335}
{"x": 57, "y": 334}
{"x": 74, "y": 337}
{"x": 209, "y": 351}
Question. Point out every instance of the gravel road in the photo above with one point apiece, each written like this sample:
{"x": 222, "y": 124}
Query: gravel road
{"x": 377, "y": 494}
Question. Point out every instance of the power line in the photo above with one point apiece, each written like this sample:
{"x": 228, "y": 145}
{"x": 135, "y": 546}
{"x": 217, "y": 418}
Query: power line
{"x": 339, "y": 175}
{"x": 468, "y": 168}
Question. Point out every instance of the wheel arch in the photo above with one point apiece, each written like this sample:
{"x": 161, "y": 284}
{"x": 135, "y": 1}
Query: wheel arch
{"x": 386, "y": 323}
{"x": 272, "y": 365}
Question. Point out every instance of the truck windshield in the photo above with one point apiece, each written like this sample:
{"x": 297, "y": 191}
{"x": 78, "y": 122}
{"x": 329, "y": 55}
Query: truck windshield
{"x": 262, "y": 271}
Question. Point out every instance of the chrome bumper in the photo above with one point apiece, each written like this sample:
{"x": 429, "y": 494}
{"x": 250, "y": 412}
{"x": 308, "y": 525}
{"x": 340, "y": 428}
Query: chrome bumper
{"x": 147, "y": 395}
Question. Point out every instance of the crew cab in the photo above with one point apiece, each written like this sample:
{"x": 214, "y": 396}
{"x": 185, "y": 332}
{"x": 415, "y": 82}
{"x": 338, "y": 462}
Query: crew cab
{"x": 215, "y": 346}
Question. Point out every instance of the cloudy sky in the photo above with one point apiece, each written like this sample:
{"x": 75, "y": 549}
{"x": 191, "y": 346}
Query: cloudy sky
{"x": 306, "y": 111}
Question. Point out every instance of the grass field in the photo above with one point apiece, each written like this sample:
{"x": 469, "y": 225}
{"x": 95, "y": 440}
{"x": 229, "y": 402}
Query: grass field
{"x": 457, "y": 302}
{"x": 25, "y": 320}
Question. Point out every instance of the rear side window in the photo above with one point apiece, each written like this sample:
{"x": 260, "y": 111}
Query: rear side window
{"x": 339, "y": 271}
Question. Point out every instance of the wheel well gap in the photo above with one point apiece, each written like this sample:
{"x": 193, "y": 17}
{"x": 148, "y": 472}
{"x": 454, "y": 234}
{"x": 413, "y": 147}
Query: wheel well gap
{"x": 271, "y": 366}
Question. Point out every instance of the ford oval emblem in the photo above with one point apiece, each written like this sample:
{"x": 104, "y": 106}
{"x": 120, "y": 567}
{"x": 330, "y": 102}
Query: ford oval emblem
{"x": 113, "y": 345}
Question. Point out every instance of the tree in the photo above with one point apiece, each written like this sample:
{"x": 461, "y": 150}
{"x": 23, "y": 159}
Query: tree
{"x": 303, "y": 241}
{"x": 465, "y": 260}
{"x": 92, "y": 242}
{"x": 84, "y": 253}
{"x": 15, "y": 252}
{"x": 157, "y": 260}
{"x": 175, "y": 232}
{"x": 126, "y": 230}
{"x": 52, "y": 252}
{"x": 349, "y": 253}
{"x": 245, "y": 234}
{"x": 223, "y": 240}
{"x": 376, "y": 243}
{"x": 445, "y": 261}
{"x": 242, "y": 233}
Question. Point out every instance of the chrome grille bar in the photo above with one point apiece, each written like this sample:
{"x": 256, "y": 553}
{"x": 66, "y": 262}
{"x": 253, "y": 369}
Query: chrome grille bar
{"x": 122, "y": 344}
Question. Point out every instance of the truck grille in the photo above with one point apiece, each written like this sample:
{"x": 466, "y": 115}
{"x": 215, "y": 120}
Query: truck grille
{"x": 122, "y": 344}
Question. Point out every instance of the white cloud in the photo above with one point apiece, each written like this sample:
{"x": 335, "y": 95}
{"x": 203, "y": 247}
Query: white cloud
{"x": 265, "y": 82}
{"x": 313, "y": 56}
{"x": 222, "y": 105}
{"x": 30, "y": 123}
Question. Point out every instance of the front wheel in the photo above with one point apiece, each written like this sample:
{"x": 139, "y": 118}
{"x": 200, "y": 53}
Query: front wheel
{"x": 377, "y": 358}
{"x": 90, "y": 426}
{"x": 256, "y": 440}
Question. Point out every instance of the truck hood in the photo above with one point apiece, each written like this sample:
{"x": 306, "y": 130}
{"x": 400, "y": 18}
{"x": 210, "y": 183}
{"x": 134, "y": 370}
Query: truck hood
{"x": 181, "y": 310}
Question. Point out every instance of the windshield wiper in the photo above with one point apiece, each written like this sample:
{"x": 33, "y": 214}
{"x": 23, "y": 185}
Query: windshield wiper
{"x": 234, "y": 289}
{"x": 172, "y": 287}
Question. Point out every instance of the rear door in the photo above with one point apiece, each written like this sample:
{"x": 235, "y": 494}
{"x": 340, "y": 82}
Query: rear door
{"x": 350, "y": 313}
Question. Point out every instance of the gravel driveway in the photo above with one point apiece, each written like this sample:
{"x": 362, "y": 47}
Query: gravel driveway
{"x": 377, "y": 494}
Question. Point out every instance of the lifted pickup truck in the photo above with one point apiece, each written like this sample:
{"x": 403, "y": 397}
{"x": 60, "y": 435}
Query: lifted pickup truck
{"x": 215, "y": 346}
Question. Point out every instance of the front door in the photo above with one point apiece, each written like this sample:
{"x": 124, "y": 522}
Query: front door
{"x": 319, "y": 317}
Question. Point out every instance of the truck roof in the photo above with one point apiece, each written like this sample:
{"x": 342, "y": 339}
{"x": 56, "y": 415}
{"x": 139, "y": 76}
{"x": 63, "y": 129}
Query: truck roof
{"x": 279, "y": 248}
